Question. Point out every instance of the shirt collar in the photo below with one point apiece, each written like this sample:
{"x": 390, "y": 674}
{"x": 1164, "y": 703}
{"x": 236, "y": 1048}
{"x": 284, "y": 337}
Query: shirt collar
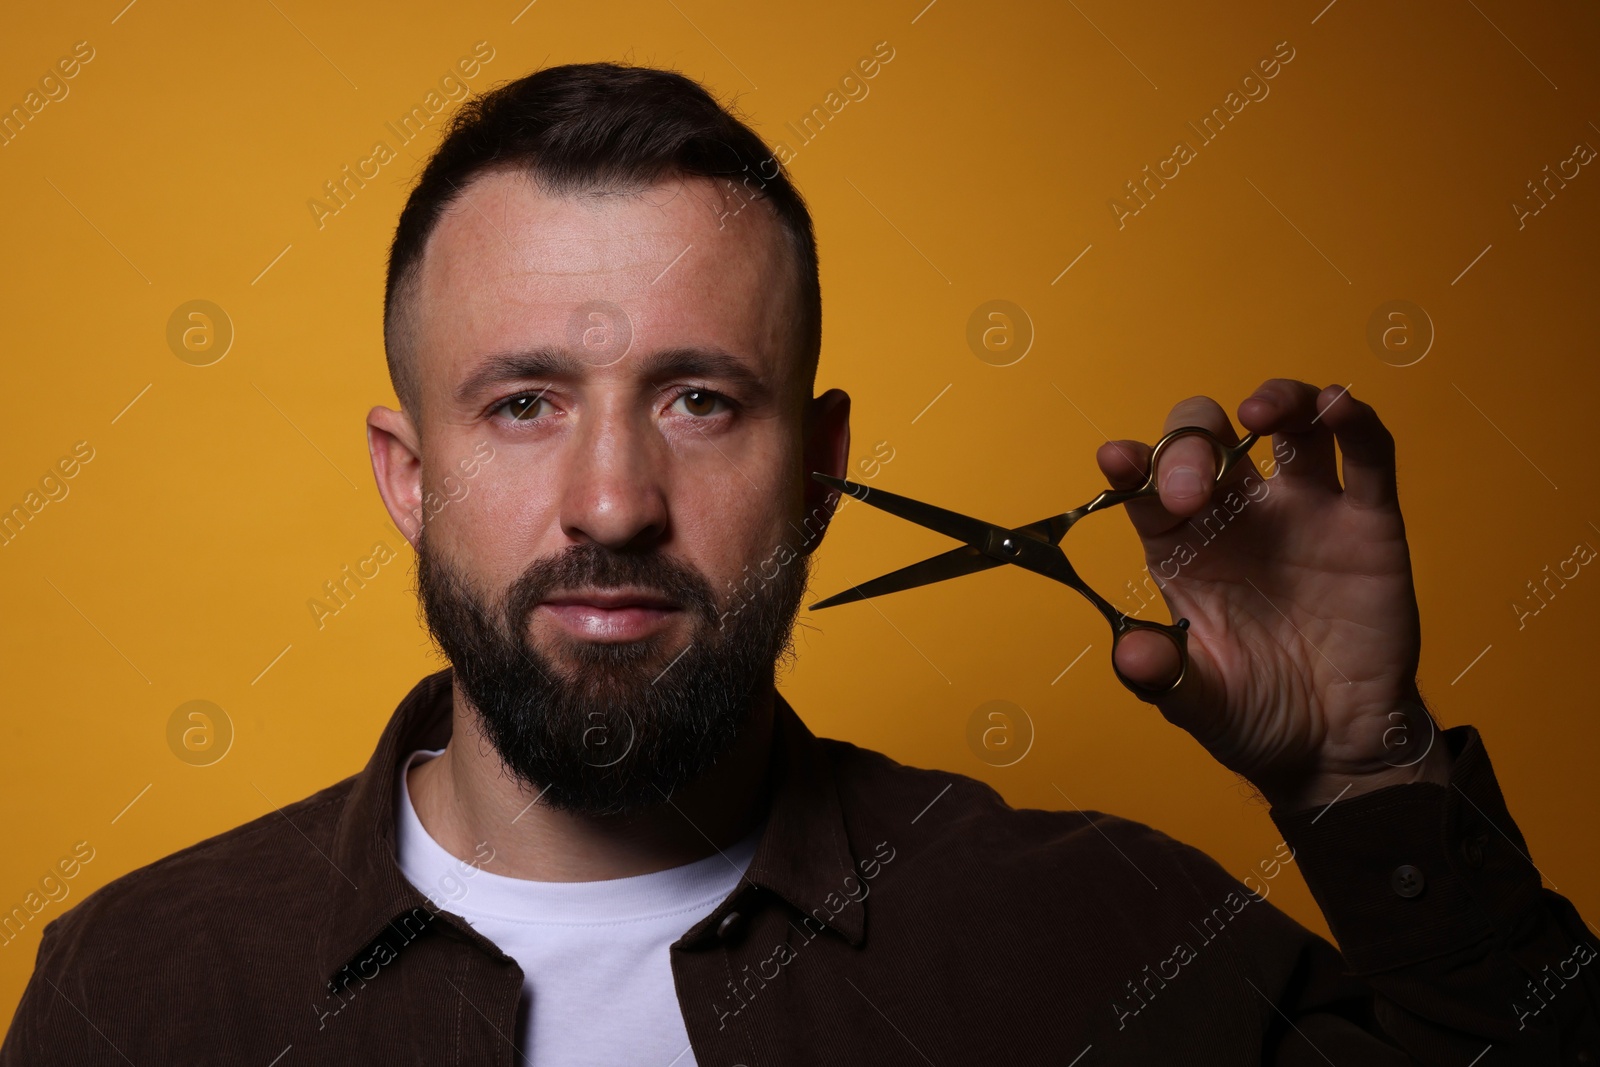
{"x": 804, "y": 855}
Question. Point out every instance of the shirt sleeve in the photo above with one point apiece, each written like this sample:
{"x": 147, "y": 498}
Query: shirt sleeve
{"x": 1439, "y": 909}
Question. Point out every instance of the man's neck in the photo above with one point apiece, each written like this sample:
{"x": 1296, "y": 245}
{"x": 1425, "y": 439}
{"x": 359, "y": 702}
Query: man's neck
{"x": 465, "y": 797}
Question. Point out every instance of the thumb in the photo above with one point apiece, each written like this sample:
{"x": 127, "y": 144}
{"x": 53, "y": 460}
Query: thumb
{"x": 1149, "y": 662}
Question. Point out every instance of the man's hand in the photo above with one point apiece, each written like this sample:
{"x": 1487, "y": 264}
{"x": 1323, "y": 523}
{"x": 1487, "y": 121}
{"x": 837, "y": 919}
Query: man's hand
{"x": 1304, "y": 634}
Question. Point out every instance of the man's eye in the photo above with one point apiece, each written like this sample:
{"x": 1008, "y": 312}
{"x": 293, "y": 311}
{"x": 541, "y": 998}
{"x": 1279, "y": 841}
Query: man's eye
{"x": 701, "y": 403}
{"x": 522, "y": 408}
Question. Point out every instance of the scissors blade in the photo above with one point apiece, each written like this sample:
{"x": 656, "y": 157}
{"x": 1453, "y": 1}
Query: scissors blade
{"x": 955, "y": 563}
{"x": 950, "y": 523}
{"x": 951, "y": 564}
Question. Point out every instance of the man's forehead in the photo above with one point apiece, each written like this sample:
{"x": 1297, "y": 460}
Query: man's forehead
{"x": 503, "y": 225}
{"x": 687, "y": 261}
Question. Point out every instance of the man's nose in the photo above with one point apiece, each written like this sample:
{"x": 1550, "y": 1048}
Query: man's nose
{"x": 615, "y": 485}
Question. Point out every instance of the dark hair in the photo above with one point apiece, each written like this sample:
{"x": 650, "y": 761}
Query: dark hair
{"x": 591, "y": 126}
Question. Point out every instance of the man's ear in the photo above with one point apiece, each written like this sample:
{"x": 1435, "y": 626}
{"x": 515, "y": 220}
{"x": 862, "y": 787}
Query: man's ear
{"x": 396, "y": 452}
{"x": 827, "y": 449}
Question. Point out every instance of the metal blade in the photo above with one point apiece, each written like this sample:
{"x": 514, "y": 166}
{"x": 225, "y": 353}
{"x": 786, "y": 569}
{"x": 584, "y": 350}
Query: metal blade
{"x": 951, "y": 564}
{"x": 950, "y": 523}
{"x": 968, "y": 559}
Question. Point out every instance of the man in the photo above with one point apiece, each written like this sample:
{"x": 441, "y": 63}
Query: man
{"x": 602, "y": 837}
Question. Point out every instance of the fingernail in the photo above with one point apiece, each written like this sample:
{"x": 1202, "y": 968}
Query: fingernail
{"x": 1185, "y": 482}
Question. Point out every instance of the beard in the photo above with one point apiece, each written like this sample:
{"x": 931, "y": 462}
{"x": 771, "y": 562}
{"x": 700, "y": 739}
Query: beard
{"x": 613, "y": 728}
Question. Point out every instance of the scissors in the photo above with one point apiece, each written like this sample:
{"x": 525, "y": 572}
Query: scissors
{"x": 1035, "y": 547}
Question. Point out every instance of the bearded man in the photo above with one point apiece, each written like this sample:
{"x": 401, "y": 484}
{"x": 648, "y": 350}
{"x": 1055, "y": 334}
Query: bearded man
{"x": 602, "y": 836}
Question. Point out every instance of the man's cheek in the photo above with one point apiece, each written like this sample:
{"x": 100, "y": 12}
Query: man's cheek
{"x": 497, "y": 529}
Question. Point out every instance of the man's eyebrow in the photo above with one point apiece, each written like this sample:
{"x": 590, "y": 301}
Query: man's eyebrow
{"x": 553, "y": 363}
{"x": 513, "y": 366}
{"x": 705, "y": 363}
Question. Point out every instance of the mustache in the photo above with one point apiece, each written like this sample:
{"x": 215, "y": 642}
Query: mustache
{"x": 592, "y": 566}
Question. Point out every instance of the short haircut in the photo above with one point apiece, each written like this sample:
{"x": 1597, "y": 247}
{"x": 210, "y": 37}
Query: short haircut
{"x": 585, "y": 127}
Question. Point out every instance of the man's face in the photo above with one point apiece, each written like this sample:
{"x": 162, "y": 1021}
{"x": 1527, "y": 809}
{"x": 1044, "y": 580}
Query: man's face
{"x": 622, "y": 570}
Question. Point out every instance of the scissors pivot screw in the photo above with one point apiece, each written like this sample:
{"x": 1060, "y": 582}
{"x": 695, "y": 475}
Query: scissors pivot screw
{"x": 1009, "y": 547}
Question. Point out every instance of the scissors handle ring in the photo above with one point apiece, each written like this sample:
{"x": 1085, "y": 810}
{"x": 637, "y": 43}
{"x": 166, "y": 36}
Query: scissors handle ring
{"x": 1228, "y": 456}
{"x": 1177, "y": 633}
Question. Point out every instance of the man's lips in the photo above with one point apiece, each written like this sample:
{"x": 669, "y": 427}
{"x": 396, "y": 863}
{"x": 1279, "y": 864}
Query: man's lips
{"x": 615, "y": 615}
{"x": 612, "y": 599}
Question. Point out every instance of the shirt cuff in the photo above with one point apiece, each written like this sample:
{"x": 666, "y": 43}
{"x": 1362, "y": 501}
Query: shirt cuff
{"x": 1411, "y": 872}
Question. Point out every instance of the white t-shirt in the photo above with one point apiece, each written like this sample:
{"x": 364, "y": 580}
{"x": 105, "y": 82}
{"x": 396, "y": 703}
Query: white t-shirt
{"x": 597, "y": 974}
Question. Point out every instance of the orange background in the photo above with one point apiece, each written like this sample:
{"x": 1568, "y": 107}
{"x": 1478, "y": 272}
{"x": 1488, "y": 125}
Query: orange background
{"x": 1381, "y": 166}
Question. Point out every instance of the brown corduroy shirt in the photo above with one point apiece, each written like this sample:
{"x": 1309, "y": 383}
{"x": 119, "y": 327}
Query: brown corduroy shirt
{"x": 891, "y": 915}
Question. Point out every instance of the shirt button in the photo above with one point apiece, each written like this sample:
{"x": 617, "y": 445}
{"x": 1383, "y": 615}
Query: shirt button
{"x": 730, "y": 926}
{"x": 1472, "y": 850}
{"x": 1407, "y": 881}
